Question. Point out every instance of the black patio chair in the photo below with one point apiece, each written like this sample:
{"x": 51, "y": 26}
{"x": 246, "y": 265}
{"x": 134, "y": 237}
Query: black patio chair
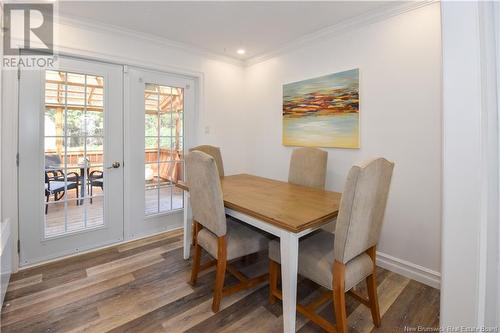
{"x": 56, "y": 182}
{"x": 96, "y": 178}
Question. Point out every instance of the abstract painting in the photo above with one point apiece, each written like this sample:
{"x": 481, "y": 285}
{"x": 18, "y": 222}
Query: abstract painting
{"x": 322, "y": 112}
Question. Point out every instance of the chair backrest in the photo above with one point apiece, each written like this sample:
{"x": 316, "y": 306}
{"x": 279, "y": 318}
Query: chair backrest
{"x": 308, "y": 167}
{"x": 205, "y": 192}
{"x": 215, "y": 153}
{"x": 53, "y": 161}
{"x": 362, "y": 209}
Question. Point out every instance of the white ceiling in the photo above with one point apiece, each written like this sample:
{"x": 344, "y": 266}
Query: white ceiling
{"x": 222, "y": 27}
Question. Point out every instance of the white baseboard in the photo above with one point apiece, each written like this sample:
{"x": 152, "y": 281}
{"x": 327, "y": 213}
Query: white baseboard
{"x": 410, "y": 270}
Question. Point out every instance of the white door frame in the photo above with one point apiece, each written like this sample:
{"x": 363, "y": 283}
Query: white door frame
{"x": 136, "y": 224}
{"x": 470, "y": 289}
{"x": 34, "y": 246}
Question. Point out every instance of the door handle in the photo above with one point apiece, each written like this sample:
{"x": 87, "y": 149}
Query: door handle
{"x": 115, "y": 165}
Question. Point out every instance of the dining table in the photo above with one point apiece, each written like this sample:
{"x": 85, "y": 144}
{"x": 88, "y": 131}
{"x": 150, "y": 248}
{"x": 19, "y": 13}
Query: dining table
{"x": 280, "y": 208}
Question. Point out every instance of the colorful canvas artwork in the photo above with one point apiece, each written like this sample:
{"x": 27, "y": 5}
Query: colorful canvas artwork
{"x": 322, "y": 112}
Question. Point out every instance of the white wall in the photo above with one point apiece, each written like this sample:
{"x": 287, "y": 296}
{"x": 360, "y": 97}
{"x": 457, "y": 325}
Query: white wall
{"x": 400, "y": 95}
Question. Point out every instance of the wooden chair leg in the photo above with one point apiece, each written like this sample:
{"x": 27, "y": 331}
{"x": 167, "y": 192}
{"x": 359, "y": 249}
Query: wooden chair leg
{"x": 196, "y": 260}
{"x": 339, "y": 296}
{"x": 372, "y": 296}
{"x": 371, "y": 283}
{"x": 195, "y": 232}
{"x": 221, "y": 272}
{"x": 196, "y": 264}
{"x": 273, "y": 280}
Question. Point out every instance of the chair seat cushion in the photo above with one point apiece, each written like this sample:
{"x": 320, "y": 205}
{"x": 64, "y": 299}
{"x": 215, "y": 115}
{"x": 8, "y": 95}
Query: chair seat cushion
{"x": 241, "y": 240}
{"x": 316, "y": 260}
{"x": 57, "y": 186}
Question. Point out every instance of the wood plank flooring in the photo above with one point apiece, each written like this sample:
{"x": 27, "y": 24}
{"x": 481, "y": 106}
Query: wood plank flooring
{"x": 142, "y": 287}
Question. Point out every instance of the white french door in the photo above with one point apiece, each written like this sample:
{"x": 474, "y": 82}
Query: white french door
{"x": 159, "y": 120}
{"x": 70, "y": 159}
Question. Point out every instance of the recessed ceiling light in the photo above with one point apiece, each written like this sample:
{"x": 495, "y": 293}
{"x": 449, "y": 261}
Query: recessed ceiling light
{"x": 241, "y": 51}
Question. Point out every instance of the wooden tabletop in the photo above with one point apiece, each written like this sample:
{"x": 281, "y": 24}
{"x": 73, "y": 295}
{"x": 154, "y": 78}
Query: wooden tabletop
{"x": 285, "y": 205}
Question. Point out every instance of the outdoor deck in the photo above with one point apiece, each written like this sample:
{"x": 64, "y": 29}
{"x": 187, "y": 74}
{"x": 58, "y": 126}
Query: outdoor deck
{"x": 93, "y": 213}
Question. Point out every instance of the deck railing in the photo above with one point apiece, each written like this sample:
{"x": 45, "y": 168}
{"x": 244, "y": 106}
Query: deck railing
{"x": 170, "y": 168}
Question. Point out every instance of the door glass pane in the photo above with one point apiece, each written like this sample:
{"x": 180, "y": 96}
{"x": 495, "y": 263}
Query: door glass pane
{"x": 166, "y": 124}
{"x": 165, "y": 149}
{"x": 75, "y": 215}
{"x": 151, "y": 149}
{"x": 151, "y": 124}
{"x": 163, "y": 122}
{"x": 165, "y": 198}
{"x": 94, "y": 122}
{"x": 177, "y": 198}
{"x": 151, "y": 200}
{"x": 73, "y": 122}
{"x": 55, "y": 221}
{"x": 73, "y": 148}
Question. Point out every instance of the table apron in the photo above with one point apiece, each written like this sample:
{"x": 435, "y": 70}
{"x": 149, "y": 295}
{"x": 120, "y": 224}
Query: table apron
{"x": 266, "y": 226}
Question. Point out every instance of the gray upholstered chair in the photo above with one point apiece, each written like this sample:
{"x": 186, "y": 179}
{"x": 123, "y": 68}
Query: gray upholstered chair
{"x": 215, "y": 153}
{"x": 340, "y": 261}
{"x": 308, "y": 167}
{"x": 224, "y": 239}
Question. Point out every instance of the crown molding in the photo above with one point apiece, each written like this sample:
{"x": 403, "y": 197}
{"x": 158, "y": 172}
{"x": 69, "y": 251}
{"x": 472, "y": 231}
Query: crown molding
{"x": 357, "y": 22}
{"x": 99, "y": 27}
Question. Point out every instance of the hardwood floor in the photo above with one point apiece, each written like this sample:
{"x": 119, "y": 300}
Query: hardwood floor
{"x": 142, "y": 287}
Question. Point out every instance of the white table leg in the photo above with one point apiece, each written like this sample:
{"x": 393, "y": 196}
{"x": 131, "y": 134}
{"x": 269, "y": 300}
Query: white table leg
{"x": 187, "y": 227}
{"x": 289, "y": 243}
